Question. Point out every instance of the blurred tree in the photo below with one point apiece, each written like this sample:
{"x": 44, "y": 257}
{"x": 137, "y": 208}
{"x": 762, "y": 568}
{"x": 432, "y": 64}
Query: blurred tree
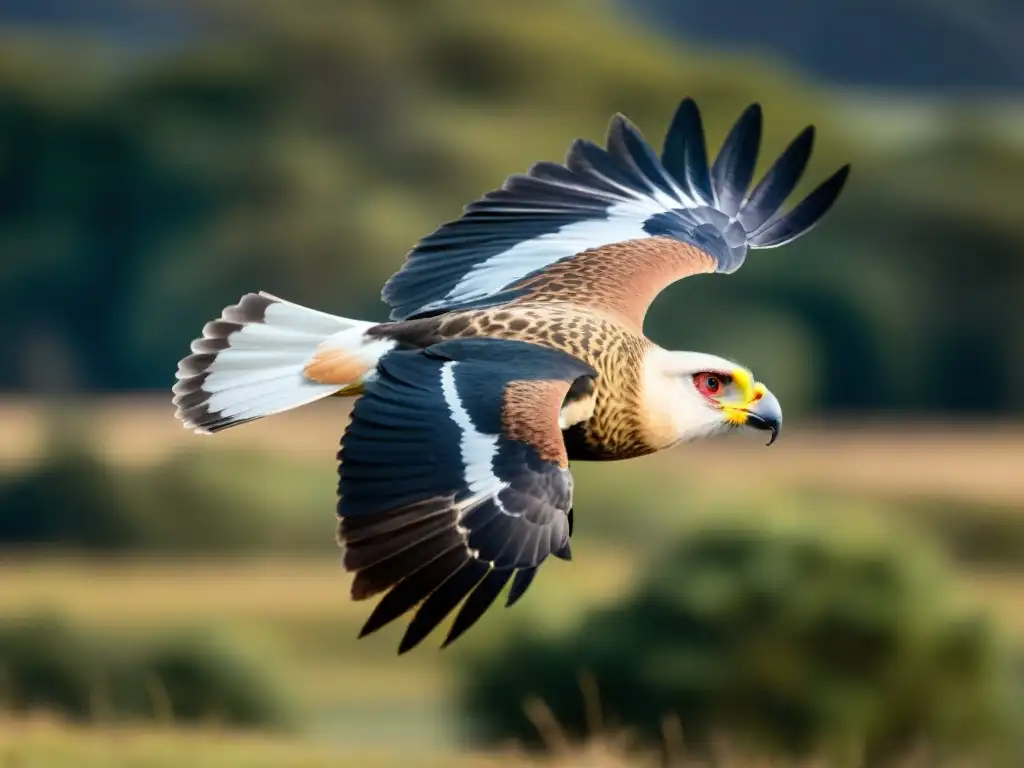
{"x": 47, "y": 663}
{"x": 75, "y": 500}
{"x": 910, "y": 39}
{"x": 795, "y": 638}
{"x": 303, "y": 147}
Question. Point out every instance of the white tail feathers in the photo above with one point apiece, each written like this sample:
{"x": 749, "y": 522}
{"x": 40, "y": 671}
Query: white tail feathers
{"x": 252, "y": 361}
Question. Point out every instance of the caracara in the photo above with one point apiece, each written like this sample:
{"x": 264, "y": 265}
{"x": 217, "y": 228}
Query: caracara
{"x": 515, "y": 346}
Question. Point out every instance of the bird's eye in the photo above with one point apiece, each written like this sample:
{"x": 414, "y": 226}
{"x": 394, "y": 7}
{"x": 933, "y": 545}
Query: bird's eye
{"x": 709, "y": 384}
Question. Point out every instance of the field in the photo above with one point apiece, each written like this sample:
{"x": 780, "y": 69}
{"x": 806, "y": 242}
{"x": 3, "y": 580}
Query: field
{"x": 361, "y": 695}
{"x": 963, "y": 461}
{"x": 47, "y": 744}
{"x": 366, "y": 706}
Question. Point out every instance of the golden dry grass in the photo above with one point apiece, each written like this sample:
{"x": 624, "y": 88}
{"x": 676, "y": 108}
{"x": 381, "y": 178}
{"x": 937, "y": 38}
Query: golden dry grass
{"x": 301, "y": 605}
{"x": 46, "y": 743}
{"x": 155, "y": 592}
{"x": 274, "y": 589}
{"x": 299, "y": 608}
{"x": 43, "y": 742}
{"x": 968, "y": 462}
{"x": 1001, "y": 593}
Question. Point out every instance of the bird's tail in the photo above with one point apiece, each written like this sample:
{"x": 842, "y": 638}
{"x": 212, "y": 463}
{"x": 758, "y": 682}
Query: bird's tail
{"x": 265, "y": 355}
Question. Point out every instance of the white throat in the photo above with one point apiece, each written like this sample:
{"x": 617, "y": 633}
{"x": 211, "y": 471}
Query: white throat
{"x": 674, "y": 411}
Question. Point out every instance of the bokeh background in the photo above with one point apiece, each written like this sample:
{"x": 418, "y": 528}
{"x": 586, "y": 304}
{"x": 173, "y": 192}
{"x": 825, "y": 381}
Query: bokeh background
{"x": 856, "y": 593}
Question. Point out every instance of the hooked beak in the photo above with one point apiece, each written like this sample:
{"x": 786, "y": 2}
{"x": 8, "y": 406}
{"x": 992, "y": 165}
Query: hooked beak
{"x": 765, "y": 413}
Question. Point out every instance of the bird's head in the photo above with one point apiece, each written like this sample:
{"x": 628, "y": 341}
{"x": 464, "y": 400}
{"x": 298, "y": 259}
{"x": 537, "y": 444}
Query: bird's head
{"x": 689, "y": 395}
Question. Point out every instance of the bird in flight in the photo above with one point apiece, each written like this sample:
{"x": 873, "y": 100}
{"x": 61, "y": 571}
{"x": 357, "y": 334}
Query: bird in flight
{"x": 515, "y": 345}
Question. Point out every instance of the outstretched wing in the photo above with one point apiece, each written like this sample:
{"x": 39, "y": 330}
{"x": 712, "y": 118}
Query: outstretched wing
{"x": 454, "y": 478}
{"x": 613, "y": 226}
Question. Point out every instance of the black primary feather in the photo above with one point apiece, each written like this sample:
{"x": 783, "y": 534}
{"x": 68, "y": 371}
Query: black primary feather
{"x": 685, "y": 154}
{"x": 414, "y": 589}
{"x": 778, "y": 183}
{"x": 520, "y": 583}
{"x": 479, "y": 600}
{"x": 602, "y": 195}
{"x": 423, "y": 522}
{"x": 441, "y": 602}
{"x": 804, "y": 216}
{"x": 733, "y": 169}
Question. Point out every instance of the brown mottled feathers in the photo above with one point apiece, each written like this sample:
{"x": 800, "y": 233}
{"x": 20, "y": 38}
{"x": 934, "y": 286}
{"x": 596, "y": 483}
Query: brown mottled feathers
{"x": 591, "y": 306}
{"x": 530, "y": 412}
{"x": 616, "y": 428}
{"x": 621, "y": 279}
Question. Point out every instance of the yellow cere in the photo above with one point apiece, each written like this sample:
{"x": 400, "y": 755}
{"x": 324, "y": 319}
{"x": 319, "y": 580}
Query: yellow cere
{"x": 748, "y": 391}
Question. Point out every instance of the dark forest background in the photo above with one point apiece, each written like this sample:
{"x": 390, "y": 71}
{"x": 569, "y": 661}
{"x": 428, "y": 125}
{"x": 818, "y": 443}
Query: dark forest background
{"x": 164, "y": 158}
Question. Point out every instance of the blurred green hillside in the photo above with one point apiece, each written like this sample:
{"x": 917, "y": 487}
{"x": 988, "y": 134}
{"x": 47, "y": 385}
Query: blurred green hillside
{"x": 303, "y": 147}
{"x": 158, "y": 587}
{"x": 242, "y": 544}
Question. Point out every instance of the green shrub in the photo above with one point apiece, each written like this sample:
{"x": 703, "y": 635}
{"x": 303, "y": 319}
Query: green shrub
{"x": 49, "y": 664}
{"x": 205, "y": 675}
{"x": 978, "y": 535}
{"x": 45, "y": 663}
{"x": 792, "y": 637}
{"x": 193, "y": 502}
{"x": 974, "y": 534}
{"x": 216, "y": 502}
{"x": 71, "y": 499}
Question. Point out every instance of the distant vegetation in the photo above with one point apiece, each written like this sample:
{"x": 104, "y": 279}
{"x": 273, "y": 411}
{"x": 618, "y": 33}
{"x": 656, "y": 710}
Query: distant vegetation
{"x": 799, "y": 639}
{"x": 303, "y": 147}
{"x": 827, "y": 39}
{"x": 76, "y": 501}
{"x": 47, "y": 664}
{"x": 251, "y": 502}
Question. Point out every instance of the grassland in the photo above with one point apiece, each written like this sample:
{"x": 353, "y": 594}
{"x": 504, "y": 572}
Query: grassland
{"x": 359, "y": 695}
{"x": 975, "y": 462}
{"x": 45, "y": 743}
{"x": 368, "y": 708}
{"x": 296, "y": 609}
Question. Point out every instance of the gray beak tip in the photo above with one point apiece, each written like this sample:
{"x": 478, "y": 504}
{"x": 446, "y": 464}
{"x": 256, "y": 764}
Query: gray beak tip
{"x": 766, "y": 415}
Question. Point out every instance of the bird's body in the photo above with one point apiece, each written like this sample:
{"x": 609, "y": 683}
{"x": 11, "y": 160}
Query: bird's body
{"x": 605, "y": 331}
{"x": 617, "y": 427}
{"x": 515, "y": 345}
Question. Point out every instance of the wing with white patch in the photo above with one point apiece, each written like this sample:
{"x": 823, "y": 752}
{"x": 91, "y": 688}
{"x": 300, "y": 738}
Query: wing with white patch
{"x": 623, "y": 193}
{"x": 454, "y": 478}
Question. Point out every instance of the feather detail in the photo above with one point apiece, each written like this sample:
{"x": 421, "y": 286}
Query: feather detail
{"x": 609, "y": 196}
